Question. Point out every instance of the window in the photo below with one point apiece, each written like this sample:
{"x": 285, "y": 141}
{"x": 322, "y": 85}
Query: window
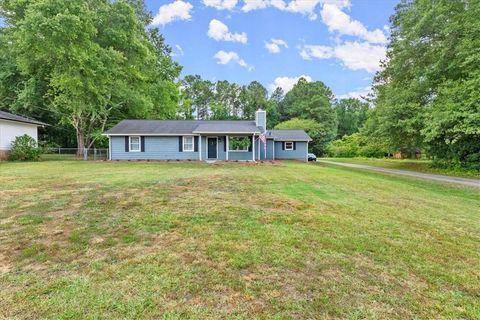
{"x": 288, "y": 145}
{"x": 187, "y": 144}
{"x": 240, "y": 144}
{"x": 134, "y": 144}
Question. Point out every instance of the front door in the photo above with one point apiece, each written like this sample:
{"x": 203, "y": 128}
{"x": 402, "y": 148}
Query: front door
{"x": 212, "y": 148}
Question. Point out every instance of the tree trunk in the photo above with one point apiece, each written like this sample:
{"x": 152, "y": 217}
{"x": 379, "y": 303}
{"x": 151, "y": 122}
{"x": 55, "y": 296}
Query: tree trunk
{"x": 80, "y": 143}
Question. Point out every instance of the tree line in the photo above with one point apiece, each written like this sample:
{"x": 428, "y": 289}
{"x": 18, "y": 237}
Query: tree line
{"x": 427, "y": 96}
{"x": 82, "y": 66}
{"x": 309, "y": 105}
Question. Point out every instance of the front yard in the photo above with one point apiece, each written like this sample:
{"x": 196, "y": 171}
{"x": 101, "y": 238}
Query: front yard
{"x": 193, "y": 240}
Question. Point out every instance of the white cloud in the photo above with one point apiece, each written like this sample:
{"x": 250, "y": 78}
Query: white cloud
{"x": 224, "y": 57}
{"x": 308, "y": 52}
{"x": 274, "y": 45}
{"x": 339, "y": 21}
{"x": 178, "y": 51}
{"x": 287, "y": 83}
{"x": 221, "y": 4}
{"x": 358, "y": 56}
{"x": 358, "y": 93}
{"x": 354, "y": 55}
{"x": 219, "y": 31}
{"x": 250, "y": 5}
{"x": 178, "y": 10}
{"x": 305, "y": 7}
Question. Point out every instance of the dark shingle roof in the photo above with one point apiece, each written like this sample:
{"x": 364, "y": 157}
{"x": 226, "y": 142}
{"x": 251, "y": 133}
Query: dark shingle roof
{"x": 227, "y": 127}
{"x": 183, "y": 127}
{"x": 13, "y": 117}
{"x": 179, "y": 127}
{"x": 284, "y": 135}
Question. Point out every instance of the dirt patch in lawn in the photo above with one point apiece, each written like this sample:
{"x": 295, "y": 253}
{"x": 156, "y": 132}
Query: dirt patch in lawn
{"x": 5, "y": 265}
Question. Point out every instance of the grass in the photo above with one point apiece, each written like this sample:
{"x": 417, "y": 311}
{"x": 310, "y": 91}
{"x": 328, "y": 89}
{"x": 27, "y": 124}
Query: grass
{"x": 267, "y": 241}
{"x": 413, "y": 165}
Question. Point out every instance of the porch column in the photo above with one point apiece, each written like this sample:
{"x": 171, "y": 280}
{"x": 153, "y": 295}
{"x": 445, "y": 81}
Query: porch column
{"x": 200, "y": 147}
{"x": 253, "y": 147}
{"x": 109, "y": 148}
{"x": 259, "y": 151}
{"x": 226, "y": 148}
{"x": 273, "y": 154}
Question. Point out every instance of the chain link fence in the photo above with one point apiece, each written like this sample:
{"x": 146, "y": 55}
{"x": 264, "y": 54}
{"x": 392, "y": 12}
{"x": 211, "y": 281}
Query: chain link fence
{"x": 74, "y": 154}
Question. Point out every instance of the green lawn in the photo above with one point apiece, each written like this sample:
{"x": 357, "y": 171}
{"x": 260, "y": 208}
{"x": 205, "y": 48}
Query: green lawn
{"x": 193, "y": 240}
{"x": 414, "y": 165}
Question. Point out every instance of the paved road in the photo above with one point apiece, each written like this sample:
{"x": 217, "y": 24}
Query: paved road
{"x": 428, "y": 176}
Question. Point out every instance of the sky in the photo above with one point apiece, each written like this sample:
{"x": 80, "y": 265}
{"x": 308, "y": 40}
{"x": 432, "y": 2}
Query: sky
{"x": 339, "y": 42}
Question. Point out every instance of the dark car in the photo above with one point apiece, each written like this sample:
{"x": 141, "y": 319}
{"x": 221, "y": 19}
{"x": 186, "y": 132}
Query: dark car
{"x": 312, "y": 157}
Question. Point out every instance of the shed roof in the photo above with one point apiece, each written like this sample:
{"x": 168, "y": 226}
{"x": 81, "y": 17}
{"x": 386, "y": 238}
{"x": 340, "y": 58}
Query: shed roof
{"x": 13, "y": 117}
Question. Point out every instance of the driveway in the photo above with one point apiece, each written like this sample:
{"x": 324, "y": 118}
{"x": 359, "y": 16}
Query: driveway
{"x": 427, "y": 176}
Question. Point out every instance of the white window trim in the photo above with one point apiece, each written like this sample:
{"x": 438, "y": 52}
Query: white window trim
{"x": 286, "y": 148}
{"x": 130, "y": 144}
{"x": 232, "y": 150}
{"x": 193, "y": 144}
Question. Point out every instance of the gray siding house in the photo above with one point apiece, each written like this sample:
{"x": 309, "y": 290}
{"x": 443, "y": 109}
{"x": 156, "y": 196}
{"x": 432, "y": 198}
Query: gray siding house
{"x": 205, "y": 140}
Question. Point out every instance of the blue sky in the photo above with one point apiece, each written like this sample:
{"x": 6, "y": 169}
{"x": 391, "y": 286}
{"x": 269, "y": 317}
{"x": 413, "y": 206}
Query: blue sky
{"x": 339, "y": 42}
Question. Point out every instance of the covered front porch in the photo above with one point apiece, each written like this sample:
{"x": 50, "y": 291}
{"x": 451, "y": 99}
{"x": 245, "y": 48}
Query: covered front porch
{"x": 226, "y": 147}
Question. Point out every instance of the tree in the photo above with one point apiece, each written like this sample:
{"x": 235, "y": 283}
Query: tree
{"x": 254, "y": 97}
{"x": 321, "y": 134}
{"x": 273, "y": 116}
{"x": 298, "y": 101}
{"x": 425, "y": 93}
{"x": 452, "y": 127}
{"x": 219, "y": 111}
{"x": 357, "y": 145}
{"x": 351, "y": 115}
{"x": 87, "y": 62}
{"x": 185, "y": 107}
{"x": 346, "y": 147}
{"x": 200, "y": 92}
{"x": 226, "y": 103}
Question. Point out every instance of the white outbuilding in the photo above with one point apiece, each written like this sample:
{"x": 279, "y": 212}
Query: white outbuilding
{"x": 12, "y": 126}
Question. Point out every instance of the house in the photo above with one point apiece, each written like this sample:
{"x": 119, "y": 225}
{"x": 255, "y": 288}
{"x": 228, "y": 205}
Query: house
{"x": 204, "y": 140}
{"x": 12, "y": 126}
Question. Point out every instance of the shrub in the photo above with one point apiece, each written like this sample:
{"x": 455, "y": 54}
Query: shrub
{"x": 357, "y": 145}
{"x": 347, "y": 147}
{"x": 25, "y": 148}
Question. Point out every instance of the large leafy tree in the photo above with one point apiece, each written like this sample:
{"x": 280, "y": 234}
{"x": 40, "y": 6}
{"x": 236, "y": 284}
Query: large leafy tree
{"x": 427, "y": 93}
{"x": 88, "y": 62}
{"x": 312, "y": 101}
{"x": 298, "y": 102}
{"x": 351, "y": 115}
{"x": 226, "y": 101}
{"x": 201, "y": 93}
{"x": 254, "y": 97}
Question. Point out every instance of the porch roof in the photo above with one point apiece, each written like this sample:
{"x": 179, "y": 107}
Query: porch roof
{"x": 227, "y": 127}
